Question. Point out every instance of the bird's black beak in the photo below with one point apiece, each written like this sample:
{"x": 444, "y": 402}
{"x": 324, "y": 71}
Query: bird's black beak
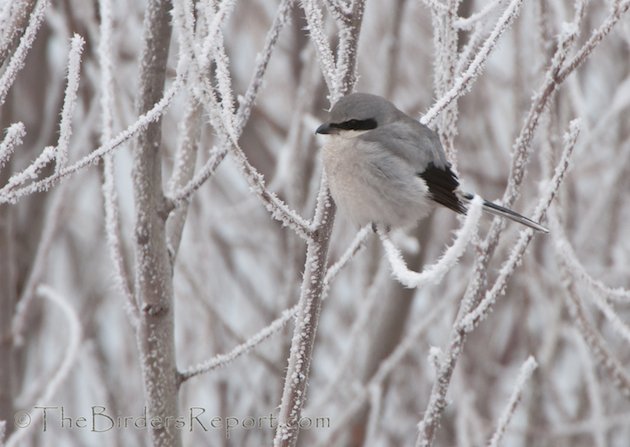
{"x": 325, "y": 129}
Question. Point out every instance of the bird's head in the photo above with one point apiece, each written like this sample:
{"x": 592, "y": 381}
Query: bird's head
{"x": 358, "y": 113}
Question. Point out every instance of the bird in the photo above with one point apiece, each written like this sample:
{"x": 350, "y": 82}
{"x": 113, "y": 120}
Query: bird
{"x": 386, "y": 168}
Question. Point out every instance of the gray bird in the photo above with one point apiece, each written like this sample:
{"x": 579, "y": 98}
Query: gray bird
{"x": 386, "y": 168}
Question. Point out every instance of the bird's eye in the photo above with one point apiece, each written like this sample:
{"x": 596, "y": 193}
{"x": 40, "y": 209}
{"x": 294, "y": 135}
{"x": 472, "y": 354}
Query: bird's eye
{"x": 355, "y": 124}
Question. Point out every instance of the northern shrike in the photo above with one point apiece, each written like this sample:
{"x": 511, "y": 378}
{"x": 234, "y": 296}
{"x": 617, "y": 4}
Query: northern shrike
{"x": 386, "y": 168}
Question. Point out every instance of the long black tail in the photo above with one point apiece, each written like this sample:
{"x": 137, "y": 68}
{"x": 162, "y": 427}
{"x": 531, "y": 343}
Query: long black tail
{"x": 497, "y": 210}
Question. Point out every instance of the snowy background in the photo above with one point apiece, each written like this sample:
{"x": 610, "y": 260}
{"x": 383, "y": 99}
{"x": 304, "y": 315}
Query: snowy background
{"x": 127, "y": 255}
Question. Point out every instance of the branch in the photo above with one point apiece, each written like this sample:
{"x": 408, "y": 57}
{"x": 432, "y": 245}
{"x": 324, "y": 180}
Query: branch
{"x": 154, "y": 274}
{"x": 434, "y": 273}
{"x": 64, "y": 369}
{"x": 183, "y": 170}
{"x": 217, "y": 154}
{"x": 385, "y": 369}
{"x": 463, "y": 83}
{"x": 222, "y": 360}
{"x": 11, "y": 140}
{"x": 9, "y": 194}
{"x": 357, "y": 244}
{"x": 110, "y": 199}
{"x": 325, "y": 57}
{"x": 14, "y": 18}
{"x": 470, "y": 321}
{"x": 467, "y": 23}
{"x": 276, "y": 207}
{"x": 69, "y": 101}
{"x": 596, "y": 37}
{"x": 526, "y": 371}
{"x": 607, "y": 360}
{"x": 17, "y": 60}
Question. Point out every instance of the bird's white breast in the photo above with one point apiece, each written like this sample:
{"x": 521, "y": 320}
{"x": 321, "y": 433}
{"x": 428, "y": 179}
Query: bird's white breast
{"x": 370, "y": 185}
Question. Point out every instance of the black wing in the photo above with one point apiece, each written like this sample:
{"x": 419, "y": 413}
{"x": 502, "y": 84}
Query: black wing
{"x": 443, "y": 183}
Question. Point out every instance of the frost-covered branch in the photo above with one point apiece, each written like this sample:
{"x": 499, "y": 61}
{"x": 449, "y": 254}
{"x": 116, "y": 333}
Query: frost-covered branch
{"x": 154, "y": 275}
{"x": 470, "y": 317}
{"x": 13, "y": 138}
{"x": 579, "y": 273}
{"x": 183, "y": 171}
{"x": 618, "y": 10}
{"x": 313, "y": 286}
{"x": 31, "y": 172}
{"x": 64, "y": 369}
{"x": 230, "y": 128}
{"x": 69, "y": 101}
{"x": 469, "y": 322}
{"x": 218, "y": 153}
{"x": 526, "y": 371}
{"x": 607, "y": 360}
{"x": 435, "y": 273}
{"x": 556, "y": 74}
{"x": 445, "y": 42}
{"x": 357, "y": 243}
{"x": 40, "y": 260}
{"x": 385, "y": 369}
{"x": 222, "y": 360}
{"x": 110, "y": 198}
{"x": 14, "y": 18}
{"x": 467, "y": 23}
{"x": 463, "y": 83}
{"x": 17, "y": 60}
{"x": 315, "y": 23}
{"x": 274, "y": 327}
{"x": 9, "y": 193}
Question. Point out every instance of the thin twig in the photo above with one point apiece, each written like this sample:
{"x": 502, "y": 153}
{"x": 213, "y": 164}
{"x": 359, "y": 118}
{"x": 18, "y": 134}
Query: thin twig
{"x": 64, "y": 369}
{"x": 526, "y": 371}
{"x": 110, "y": 199}
{"x": 435, "y": 273}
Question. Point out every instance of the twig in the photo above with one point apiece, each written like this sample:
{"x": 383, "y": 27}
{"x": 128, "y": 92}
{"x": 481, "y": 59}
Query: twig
{"x": 387, "y": 366}
{"x": 357, "y": 244}
{"x": 526, "y": 371}
{"x": 17, "y": 60}
{"x": 11, "y": 140}
{"x": 222, "y": 360}
{"x": 218, "y": 153}
{"x": 467, "y": 23}
{"x": 469, "y": 317}
{"x": 435, "y": 273}
{"x": 315, "y": 24}
{"x": 607, "y": 360}
{"x": 14, "y": 18}
{"x": 463, "y": 83}
{"x": 110, "y": 199}
{"x": 69, "y": 101}
{"x": 469, "y": 322}
{"x": 593, "y": 389}
{"x": 8, "y": 194}
{"x": 64, "y": 369}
